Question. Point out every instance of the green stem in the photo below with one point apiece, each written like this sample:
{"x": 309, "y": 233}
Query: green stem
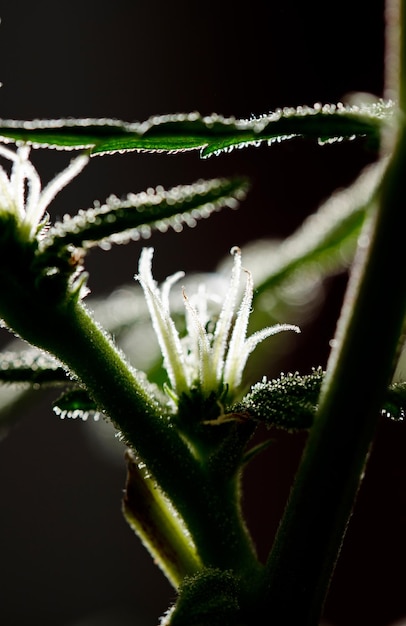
{"x": 65, "y": 328}
{"x": 310, "y": 536}
{"x": 167, "y": 457}
{"x": 210, "y": 513}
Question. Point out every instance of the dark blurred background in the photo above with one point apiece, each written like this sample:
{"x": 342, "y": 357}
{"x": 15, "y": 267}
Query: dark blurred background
{"x": 67, "y": 557}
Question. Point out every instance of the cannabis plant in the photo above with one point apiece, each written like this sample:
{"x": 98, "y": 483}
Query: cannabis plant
{"x": 189, "y": 415}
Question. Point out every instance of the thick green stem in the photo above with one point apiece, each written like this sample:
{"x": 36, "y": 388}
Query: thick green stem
{"x": 310, "y": 536}
{"x": 321, "y": 502}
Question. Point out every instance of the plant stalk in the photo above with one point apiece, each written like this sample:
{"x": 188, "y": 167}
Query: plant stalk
{"x": 360, "y": 367}
{"x": 67, "y": 330}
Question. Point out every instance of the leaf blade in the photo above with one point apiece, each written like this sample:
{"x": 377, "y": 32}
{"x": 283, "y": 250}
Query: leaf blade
{"x": 210, "y": 134}
{"x": 119, "y": 221}
{"x": 31, "y": 366}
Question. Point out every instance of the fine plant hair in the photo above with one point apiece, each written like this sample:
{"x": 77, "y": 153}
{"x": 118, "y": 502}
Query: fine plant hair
{"x": 189, "y": 414}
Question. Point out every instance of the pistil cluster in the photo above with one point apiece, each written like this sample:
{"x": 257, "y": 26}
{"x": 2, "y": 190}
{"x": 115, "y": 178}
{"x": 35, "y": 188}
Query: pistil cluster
{"x": 213, "y": 354}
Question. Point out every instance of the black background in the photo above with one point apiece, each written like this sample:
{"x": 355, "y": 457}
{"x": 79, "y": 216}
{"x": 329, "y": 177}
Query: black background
{"x": 67, "y": 557}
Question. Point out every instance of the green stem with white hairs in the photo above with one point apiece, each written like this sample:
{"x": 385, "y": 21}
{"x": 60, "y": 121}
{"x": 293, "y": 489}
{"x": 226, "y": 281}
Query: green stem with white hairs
{"x": 311, "y": 533}
{"x": 60, "y": 324}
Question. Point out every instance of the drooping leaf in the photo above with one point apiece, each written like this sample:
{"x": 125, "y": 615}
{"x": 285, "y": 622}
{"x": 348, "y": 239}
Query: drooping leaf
{"x": 210, "y": 134}
{"x": 118, "y": 221}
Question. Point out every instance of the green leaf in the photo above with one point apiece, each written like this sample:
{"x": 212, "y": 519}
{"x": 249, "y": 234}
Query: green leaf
{"x": 289, "y": 401}
{"x": 211, "y": 134}
{"x": 118, "y": 221}
{"x": 153, "y": 518}
{"x": 395, "y": 402}
{"x": 325, "y": 242}
{"x": 31, "y": 366}
{"x": 75, "y": 403}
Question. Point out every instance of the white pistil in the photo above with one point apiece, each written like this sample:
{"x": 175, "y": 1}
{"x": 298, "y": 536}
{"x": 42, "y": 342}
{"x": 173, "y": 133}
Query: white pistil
{"x": 240, "y": 347}
{"x": 235, "y": 362}
{"x": 35, "y": 211}
{"x": 199, "y": 340}
{"x": 164, "y": 326}
{"x": 227, "y": 314}
{"x": 21, "y": 194}
{"x": 210, "y": 360}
